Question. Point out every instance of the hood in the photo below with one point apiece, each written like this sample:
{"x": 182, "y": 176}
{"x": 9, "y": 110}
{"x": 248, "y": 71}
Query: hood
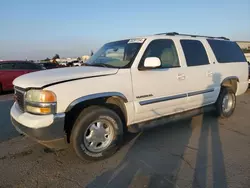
{"x": 47, "y": 77}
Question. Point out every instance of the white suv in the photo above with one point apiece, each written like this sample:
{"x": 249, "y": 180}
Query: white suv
{"x": 126, "y": 84}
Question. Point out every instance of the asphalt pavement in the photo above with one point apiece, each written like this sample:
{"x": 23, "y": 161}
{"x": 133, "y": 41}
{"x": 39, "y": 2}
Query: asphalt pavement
{"x": 199, "y": 152}
{"x": 7, "y": 131}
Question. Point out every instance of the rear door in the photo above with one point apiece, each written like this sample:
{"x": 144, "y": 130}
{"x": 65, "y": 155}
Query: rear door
{"x": 199, "y": 73}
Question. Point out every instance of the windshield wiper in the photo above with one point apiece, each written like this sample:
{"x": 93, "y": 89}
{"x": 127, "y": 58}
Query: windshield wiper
{"x": 101, "y": 65}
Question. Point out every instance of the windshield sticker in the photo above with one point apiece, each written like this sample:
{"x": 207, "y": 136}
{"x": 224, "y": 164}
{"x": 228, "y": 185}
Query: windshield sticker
{"x": 138, "y": 40}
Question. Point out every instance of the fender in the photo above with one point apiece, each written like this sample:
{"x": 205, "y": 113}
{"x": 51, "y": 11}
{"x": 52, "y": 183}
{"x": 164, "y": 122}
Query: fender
{"x": 96, "y": 96}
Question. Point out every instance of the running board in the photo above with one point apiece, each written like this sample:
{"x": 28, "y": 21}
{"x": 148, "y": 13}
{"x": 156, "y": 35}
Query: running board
{"x": 134, "y": 128}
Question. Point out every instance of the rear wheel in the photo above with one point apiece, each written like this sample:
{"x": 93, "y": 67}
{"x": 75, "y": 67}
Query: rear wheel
{"x": 97, "y": 133}
{"x": 226, "y": 102}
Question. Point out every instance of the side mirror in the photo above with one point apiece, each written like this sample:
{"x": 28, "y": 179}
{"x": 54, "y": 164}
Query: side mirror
{"x": 152, "y": 62}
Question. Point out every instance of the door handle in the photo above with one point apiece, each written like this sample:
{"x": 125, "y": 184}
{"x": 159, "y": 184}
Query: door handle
{"x": 209, "y": 73}
{"x": 181, "y": 77}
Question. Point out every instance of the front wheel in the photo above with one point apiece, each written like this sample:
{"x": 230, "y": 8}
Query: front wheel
{"x": 97, "y": 133}
{"x": 226, "y": 103}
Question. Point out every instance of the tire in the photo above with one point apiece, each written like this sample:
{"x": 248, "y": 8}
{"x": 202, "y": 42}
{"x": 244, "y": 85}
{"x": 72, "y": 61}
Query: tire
{"x": 225, "y": 112}
{"x": 85, "y": 122}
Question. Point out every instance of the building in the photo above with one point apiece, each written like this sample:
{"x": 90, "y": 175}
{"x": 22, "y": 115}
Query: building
{"x": 244, "y": 44}
{"x": 85, "y": 58}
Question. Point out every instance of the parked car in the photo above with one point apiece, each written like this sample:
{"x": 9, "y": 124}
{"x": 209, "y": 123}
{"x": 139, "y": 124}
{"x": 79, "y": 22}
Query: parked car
{"x": 77, "y": 63}
{"x": 9, "y": 70}
{"x": 155, "y": 78}
{"x": 63, "y": 64}
{"x": 50, "y": 65}
{"x": 74, "y": 63}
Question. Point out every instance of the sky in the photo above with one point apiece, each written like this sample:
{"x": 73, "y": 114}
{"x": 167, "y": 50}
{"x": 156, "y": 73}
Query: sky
{"x": 41, "y": 28}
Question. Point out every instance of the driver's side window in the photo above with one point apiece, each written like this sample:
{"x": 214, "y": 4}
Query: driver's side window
{"x": 165, "y": 50}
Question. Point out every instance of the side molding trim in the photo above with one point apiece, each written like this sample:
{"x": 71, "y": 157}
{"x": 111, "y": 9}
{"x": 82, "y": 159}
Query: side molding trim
{"x": 162, "y": 99}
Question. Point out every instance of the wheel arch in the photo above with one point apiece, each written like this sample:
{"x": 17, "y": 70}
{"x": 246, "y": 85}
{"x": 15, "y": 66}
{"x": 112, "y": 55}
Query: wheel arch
{"x": 231, "y": 82}
{"x": 113, "y": 100}
{"x": 96, "y": 96}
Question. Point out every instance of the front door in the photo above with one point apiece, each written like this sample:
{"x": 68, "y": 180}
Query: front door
{"x": 160, "y": 91}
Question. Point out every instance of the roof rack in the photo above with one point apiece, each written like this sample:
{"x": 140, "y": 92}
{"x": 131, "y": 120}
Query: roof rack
{"x": 175, "y": 33}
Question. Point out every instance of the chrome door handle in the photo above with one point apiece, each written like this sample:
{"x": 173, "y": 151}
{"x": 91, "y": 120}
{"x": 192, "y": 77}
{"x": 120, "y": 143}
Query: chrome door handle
{"x": 209, "y": 73}
{"x": 181, "y": 77}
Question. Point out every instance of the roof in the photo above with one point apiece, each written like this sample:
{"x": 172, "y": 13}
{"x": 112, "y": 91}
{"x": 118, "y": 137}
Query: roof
{"x": 180, "y": 35}
{"x": 21, "y": 61}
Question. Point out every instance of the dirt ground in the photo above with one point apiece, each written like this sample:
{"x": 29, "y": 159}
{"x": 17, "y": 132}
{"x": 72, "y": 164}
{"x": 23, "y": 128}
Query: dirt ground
{"x": 199, "y": 152}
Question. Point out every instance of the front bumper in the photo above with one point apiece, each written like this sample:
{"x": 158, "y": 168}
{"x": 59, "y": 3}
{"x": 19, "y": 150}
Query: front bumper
{"x": 51, "y": 134}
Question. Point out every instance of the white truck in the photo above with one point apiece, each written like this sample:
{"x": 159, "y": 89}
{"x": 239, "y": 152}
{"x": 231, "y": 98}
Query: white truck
{"x": 127, "y": 84}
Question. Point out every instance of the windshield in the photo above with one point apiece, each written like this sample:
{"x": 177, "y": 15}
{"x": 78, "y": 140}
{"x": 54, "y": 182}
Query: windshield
{"x": 117, "y": 54}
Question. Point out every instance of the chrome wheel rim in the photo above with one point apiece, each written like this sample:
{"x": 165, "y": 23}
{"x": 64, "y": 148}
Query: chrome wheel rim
{"x": 227, "y": 103}
{"x": 98, "y": 136}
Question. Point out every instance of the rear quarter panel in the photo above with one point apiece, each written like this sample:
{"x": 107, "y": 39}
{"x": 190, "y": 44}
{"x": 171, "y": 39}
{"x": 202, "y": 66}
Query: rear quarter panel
{"x": 222, "y": 71}
{"x": 237, "y": 69}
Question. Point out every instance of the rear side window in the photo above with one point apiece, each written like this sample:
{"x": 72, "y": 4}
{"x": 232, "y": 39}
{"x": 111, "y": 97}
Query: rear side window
{"x": 27, "y": 66}
{"x": 34, "y": 66}
{"x": 195, "y": 53}
{"x": 226, "y": 51}
{"x": 22, "y": 66}
{"x": 6, "y": 66}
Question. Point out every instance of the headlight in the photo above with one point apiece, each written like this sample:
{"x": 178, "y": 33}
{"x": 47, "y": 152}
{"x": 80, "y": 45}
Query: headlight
{"x": 40, "y": 102}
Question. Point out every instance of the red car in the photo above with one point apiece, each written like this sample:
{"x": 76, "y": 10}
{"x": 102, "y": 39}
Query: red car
{"x": 9, "y": 70}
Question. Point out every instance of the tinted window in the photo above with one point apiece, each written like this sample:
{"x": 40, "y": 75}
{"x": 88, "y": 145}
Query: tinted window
{"x": 35, "y": 66}
{"x": 6, "y": 66}
{"x": 22, "y": 66}
{"x": 27, "y": 66}
{"x": 50, "y": 65}
{"x": 195, "y": 52}
{"x": 226, "y": 51}
{"x": 165, "y": 50}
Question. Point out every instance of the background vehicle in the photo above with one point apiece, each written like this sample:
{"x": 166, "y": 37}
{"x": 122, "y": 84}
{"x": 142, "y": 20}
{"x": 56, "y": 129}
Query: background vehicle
{"x": 9, "y": 70}
{"x": 77, "y": 63}
{"x": 63, "y": 64}
{"x": 74, "y": 63}
{"x": 50, "y": 65}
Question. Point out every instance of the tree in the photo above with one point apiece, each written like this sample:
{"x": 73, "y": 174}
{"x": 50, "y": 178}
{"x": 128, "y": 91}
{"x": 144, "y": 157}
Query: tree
{"x": 91, "y": 53}
{"x": 47, "y": 59}
{"x": 56, "y": 57}
{"x": 79, "y": 58}
{"x": 245, "y": 50}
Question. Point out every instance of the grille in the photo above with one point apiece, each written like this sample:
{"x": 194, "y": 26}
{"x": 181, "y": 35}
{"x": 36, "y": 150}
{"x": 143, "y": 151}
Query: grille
{"x": 19, "y": 97}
